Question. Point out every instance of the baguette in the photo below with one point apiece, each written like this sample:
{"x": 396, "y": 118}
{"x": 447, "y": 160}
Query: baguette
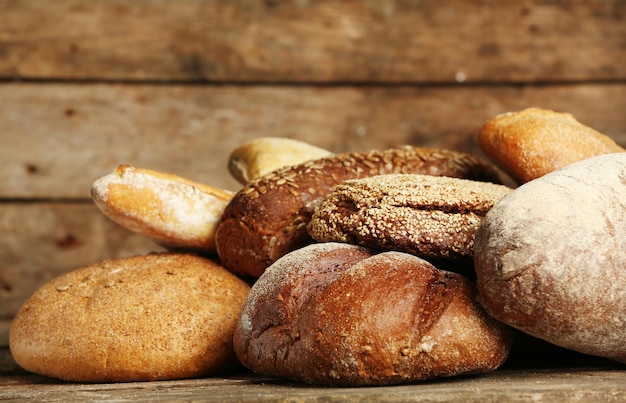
{"x": 178, "y": 213}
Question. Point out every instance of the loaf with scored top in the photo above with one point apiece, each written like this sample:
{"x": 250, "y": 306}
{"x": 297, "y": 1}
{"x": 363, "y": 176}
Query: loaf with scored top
{"x": 344, "y": 315}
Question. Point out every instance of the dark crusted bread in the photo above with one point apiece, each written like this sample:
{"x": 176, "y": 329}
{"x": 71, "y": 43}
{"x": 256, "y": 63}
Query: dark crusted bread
{"x": 268, "y": 217}
{"x": 340, "y": 314}
{"x": 142, "y": 318}
{"x": 429, "y": 216}
{"x": 550, "y": 257}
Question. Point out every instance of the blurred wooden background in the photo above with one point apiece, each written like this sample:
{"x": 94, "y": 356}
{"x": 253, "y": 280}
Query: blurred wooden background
{"x": 86, "y": 85}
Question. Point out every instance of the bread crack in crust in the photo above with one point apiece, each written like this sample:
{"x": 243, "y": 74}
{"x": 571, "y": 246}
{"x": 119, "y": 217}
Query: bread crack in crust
{"x": 426, "y": 215}
{"x": 383, "y": 318}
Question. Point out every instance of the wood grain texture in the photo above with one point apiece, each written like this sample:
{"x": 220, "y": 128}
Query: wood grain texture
{"x": 59, "y": 138}
{"x": 43, "y": 240}
{"x": 386, "y": 41}
{"x": 175, "y": 86}
{"x": 577, "y": 384}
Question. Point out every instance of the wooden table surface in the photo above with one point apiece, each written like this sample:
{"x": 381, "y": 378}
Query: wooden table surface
{"x": 176, "y": 86}
{"x": 590, "y": 381}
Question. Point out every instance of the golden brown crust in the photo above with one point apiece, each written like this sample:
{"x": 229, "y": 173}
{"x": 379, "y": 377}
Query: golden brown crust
{"x": 366, "y": 319}
{"x": 533, "y": 142}
{"x": 430, "y": 216}
{"x": 263, "y": 155}
{"x": 549, "y": 257}
{"x": 178, "y": 213}
{"x": 153, "y": 317}
{"x": 268, "y": 217}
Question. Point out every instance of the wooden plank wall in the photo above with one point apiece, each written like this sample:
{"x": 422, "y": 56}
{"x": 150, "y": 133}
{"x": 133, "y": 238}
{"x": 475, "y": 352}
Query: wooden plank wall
{"x": 86, "y": 85}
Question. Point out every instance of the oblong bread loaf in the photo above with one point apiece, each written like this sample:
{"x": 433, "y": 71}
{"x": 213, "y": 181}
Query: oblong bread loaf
{"x": 429, "y": 216}
{"x": 550, "y": 257}
{"x": 178, "y": 213}
{"x": 268, "y": 217}
{"x": 533, "y": 142}
{"x": 342, "y": 315}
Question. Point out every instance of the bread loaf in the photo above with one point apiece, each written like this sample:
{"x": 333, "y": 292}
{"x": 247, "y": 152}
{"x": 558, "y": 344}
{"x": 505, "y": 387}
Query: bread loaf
{"x": 176, "y": 212}
{"x": 153, "y": 317}
{"x": 429, "y": 216}
{"x": 339, "y": 314}
{"x": 533, "y": 142}
{"x": 263, "y": 155}
{"x": 550, "y": 257}
{"x": 268, "y": 217}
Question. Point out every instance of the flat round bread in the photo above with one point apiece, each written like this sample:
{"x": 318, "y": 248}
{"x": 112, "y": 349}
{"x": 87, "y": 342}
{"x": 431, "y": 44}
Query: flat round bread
{"x": 153, "y": 317}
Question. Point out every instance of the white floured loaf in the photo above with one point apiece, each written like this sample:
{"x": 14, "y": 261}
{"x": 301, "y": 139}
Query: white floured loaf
{"x": 550, "y": 257}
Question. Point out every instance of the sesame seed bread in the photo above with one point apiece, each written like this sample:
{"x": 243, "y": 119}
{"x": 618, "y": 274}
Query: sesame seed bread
{"x": 153, "y": 317}
{"x": 177, "y": 213}
{"x": 268, "y": 217}
{"x": 533, "y": 142}
{"x": 430, "y": 216}
{"x": 342, "y": 315}
{"x": 549, "y": 257}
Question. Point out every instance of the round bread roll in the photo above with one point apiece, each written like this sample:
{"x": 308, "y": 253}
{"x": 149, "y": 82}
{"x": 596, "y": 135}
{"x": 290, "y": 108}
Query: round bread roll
{"x": 340, "y": 314}
{"x": 549, "y": 257}
{"x": 179, "y": 214}
{"x": 430, "y": 216}
{"x": 268, "y": 217}
{"x": 263, "y": 155}
{"x": 533, "y": 142}
{"x": 153, "y": 317}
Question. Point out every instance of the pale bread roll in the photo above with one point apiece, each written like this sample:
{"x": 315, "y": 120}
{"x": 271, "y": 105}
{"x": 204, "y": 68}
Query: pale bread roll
{"x": 550, "y": 257}
{"x": 533, "y": 142}
{"x": 263, "y": 155}
{"x": 176, "y": 212}
{"x": 153, "y": 317}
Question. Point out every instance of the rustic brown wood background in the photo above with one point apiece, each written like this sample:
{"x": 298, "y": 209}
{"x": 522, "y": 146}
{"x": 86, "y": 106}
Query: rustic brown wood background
{"x": 176, "y": 85}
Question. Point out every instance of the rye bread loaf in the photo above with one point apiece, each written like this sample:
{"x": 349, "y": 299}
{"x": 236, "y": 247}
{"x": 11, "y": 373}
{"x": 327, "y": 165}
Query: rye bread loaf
{"x": 533, "y": 142}
{"x": 268, "y": 217}
{"x": 340, "y": 314}
{"x": 429, "y": 216}
{"x": 550, "y": 261}
{"x": 154, "y": 317}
